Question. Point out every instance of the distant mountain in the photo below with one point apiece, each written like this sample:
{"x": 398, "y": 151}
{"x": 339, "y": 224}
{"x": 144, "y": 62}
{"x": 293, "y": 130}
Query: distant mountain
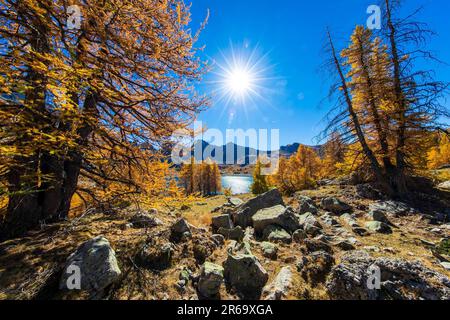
{"x": 241, "y": 155}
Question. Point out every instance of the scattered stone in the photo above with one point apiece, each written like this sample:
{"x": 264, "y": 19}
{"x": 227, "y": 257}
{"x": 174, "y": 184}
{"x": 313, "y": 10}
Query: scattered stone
{"x": 274, "y": 233}
{"x": 329, "y": 220}
{"x": 180, "y": 230}
{"x": 211, "y": 278}
{"x": 269, "y": 250}
{"x": 299, "y": 235}
{"x": 378, "y": 215}
{"x": 222, "y": 221}
{"x": 371, "y": 248}
{"x": 203, "y": 248}
{"x": 156, "y": 255}
{"x": 310, "y": 224}
{"x": 245, "y": 274}
{"x": 277, "y": 215}
{"x": 349, "y": 219}
{"x": 306, "y": 204}
{"x": 401, "y": 280}
{"x": 144, "y": 220}
{"x": 280, "y": 286}
{"x": 360, "y": 231}
{"x": 344, "y": 245}
{"x": 379, "y": 227}
{"x": 97, "y": 263}
{"x": 245, "y": 212}
{"x": 335, "y": 205}
{"x": 390, "y": 207}
{"x": 236, "y": 233}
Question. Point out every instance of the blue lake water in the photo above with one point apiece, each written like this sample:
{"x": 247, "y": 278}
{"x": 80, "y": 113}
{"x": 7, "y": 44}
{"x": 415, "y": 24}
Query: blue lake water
{"x": 238, "y": 184}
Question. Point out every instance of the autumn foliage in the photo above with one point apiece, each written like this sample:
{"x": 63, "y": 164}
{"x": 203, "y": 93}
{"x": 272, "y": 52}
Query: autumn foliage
{"x": 200, "y": 178}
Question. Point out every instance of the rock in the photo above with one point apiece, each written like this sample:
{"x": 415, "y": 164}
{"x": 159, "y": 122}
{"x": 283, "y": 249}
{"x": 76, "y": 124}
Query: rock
{"x": 277, "y": 234}
{"x": 179, "y": 230}
{"x": 184, "y": 277}
{"x": 279, "y": 287}
{"x": 219, "y": 239}
{"x": 143, "y": 220}
{"x": 203, "y": 247}
{"x": 245, "y": 212}
{"x": 222, "y": 221}
{"x": 315, "y": 267}
{"x": 378, "y": 215}
{"x": 310, "y": 224}
{"x": 360, "y": 231}
{"x": 329, "y": 220}
{"x": 245, "y": 274}
{"x": 445, "y": 265}
{"x": 97, "y": 264}
{"x": 269, "y": 250}
{"x": 211, "y": 278}
{"x": 344, "y": 245}
{"x": 277, "y": 215}
{"x": 156, "y": 255}
{"x": 313, "y": 245}
{"x": 236, "y": 233}
{"x": 377, "y": 226}
{"x": 335, "y": 205}
{"x": 306, "y": 205}
{"x": 400, "y": 280}
{"x": 368, "y": 192}
{"x": 444, "y": 185}
{"x": 394, "y": 208}
{"x": 235, "y": 202}
{"x": 299, "y": 235}
{"x": 349, "y": 219}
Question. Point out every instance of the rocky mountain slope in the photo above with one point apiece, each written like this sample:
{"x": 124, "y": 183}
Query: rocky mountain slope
{"x": 320, "y": 244}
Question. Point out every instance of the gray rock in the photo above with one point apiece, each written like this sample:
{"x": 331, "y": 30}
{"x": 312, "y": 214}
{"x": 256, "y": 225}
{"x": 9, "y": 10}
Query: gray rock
{"x": 378, "y": 215}
{"x": 245, "y": 212}
{"x": 335, "y": 205}
{"x": 144, "y": 220}
{"x": 235, "y": 202}
{"x": 179, "y": 230}
{"x": 299, "y": 235}
{"x": 222, "y": 221}
{"x": 236, "y": 233}
{"x": 280, "y": 286}
{"x": 329, "y": 220}
{"x": 274, "y": 233}
{"x": 310, "y": 224}
{"x": 306, "y": 205}
{"x": 394, "y": 208}
{"x": 313, "y": 245}
{"x": 210, "y": 280}
{"x": 400, "y": 280}
{"x": 344, "y": 245}
{"x": 269, "y": 250}
{"x": 97, "y": 264}
{"x": 277, "y": 215}
{"x": 246, "y": 275}
{"x": 446, "y": 265}
{"x": 444, "y": 185}
{"x": 349, "y": 219}
{"x": 377, "y": 226}
{"x": 219, "y": 239}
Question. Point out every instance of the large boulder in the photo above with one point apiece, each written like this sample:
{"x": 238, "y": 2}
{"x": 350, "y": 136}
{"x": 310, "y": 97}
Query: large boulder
{"x": 236, "y": 233}
{"x": 96, "y": 261}
{"x": 245, "y": 212}
{"x": 335, "y": 205}
{"x": 245, "y": 274}
{"x": 279, "y": 287}
{"x": 210, "y": 279}
{"x": 277, "y": 215}
{"x": 235, "y": 202}
{"x": 222, "y": 221}
{"x": 310, "y": 224}
{"x": 400, "y": 279}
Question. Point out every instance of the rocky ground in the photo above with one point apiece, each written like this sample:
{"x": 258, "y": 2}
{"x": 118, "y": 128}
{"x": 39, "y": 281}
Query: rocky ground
{"x": 319, "y": 244}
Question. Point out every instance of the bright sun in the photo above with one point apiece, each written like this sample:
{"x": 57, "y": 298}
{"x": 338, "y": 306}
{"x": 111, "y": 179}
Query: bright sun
{"x": 239, "y": 81}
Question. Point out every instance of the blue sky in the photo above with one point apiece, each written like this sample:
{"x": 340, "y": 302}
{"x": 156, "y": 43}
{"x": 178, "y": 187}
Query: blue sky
{"x": 286, "y": 37}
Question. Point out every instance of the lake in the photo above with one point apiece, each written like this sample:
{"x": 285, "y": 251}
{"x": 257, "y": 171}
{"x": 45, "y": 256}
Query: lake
{"x": 238, "y": 184}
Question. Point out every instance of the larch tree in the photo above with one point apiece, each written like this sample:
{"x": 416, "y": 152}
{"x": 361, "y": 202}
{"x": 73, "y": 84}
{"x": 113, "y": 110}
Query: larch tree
{"x": 77, "y": 103}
